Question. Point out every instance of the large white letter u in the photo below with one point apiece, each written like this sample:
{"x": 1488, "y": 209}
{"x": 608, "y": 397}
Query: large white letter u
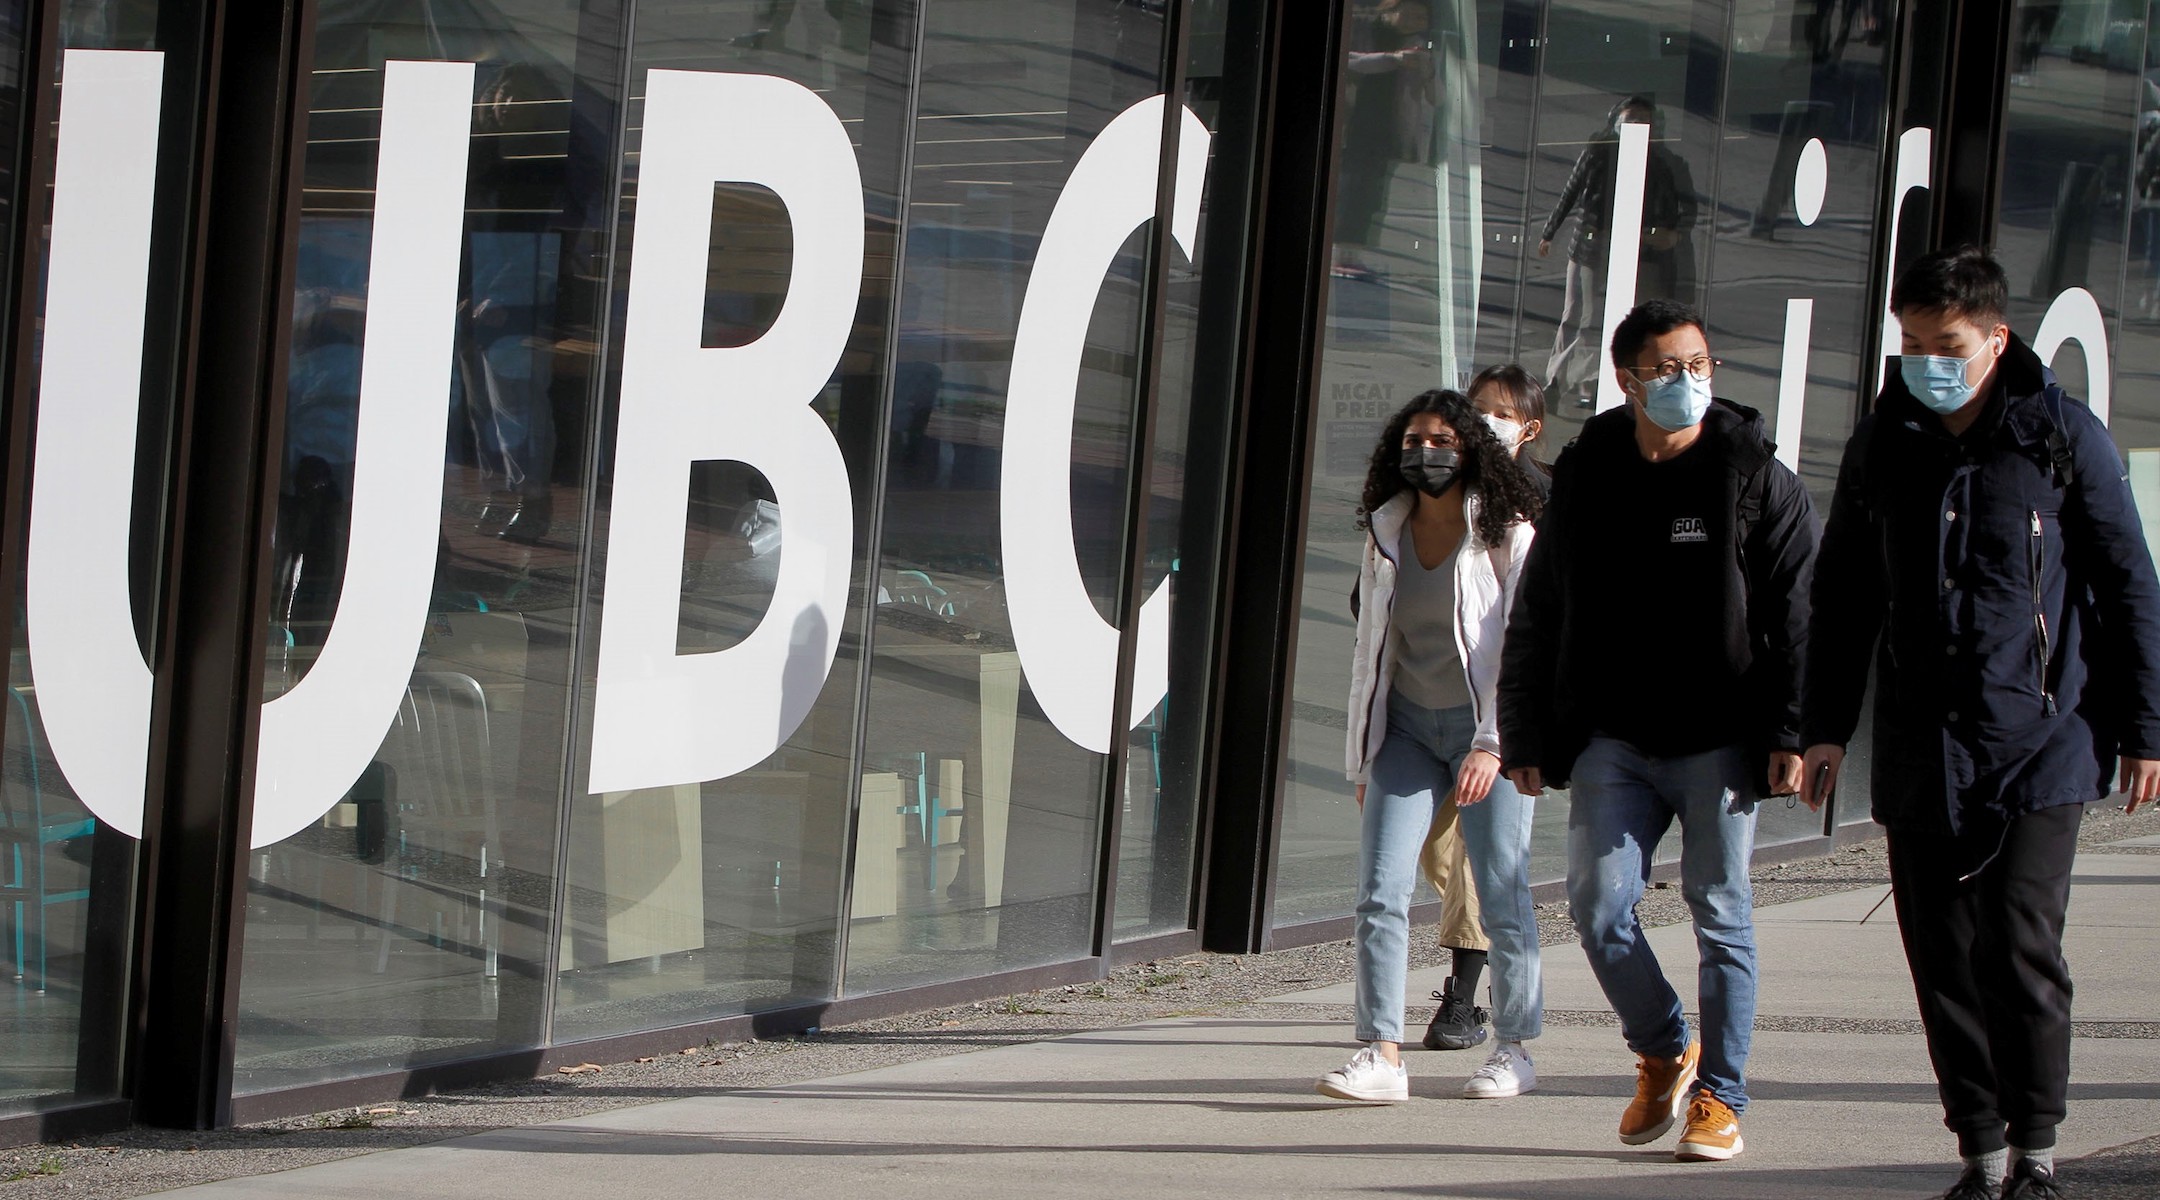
{"x": 93, "y": 687}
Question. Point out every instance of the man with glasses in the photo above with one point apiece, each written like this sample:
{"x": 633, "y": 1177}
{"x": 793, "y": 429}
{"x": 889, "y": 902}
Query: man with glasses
{"x": 1653, "y": 664}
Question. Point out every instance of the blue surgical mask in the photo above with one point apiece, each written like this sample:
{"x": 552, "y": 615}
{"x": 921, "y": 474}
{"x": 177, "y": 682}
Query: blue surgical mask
{"x": 1938, "y": 381}
{"x": 1677, "y": 403}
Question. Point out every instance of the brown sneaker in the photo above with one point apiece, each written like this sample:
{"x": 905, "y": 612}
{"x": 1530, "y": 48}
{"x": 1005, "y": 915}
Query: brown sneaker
{"x": 1661, "y": 1091}
{"x": 1712, "y": 1133}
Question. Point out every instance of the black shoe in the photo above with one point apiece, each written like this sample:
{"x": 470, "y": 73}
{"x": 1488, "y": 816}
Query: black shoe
{"x": 2030, "y": 1182}
{"x": 1458, "y": 1025}
{"x": 1972, "y": 1185}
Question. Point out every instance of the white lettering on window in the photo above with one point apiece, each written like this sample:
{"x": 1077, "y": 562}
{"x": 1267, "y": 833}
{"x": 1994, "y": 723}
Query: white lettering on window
{"x": 659, "y": 717}
{"x": 1068, "y": 651}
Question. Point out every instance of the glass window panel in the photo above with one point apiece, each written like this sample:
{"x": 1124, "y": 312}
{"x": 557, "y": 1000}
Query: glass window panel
{"x": 67, "y": 878}
{"x": 1432, "y": 156}
{"x": 704, "y": 900}
{"x": 2069, "y": 142}
{"x": 1799, "y": 174}
{"x": 2135, "y": 413}
{"x": 407, "y": 925}
{"x": 980, "y": 821}
{"x": 1162, "y": 801}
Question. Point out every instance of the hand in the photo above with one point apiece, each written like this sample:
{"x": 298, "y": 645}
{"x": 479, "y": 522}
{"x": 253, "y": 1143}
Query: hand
{"x": 1479, "y": 769}
{"x": 2140, "y": 778}
{"x": 1784, "y": 773}
{"x": 1819, "y": 756}
{"x": 1530, "y": 781}
{"x": 1361, "y": 797}
{"x": 1544, "y": 247}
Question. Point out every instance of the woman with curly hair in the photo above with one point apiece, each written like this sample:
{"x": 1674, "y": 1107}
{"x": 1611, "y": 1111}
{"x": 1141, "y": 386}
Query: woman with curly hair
{"x": 1448, "y": 512}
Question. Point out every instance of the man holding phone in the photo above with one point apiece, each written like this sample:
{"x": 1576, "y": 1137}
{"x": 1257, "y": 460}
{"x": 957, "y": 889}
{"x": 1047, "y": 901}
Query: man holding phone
{"x": 1983, "y": 546}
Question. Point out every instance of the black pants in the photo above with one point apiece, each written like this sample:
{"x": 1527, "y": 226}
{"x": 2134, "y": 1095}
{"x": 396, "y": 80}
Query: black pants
{"x": 1987, "y": 964}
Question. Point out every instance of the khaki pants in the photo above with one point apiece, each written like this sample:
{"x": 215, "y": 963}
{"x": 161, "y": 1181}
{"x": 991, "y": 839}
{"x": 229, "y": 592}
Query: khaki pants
{"x": 1448, "y": 870}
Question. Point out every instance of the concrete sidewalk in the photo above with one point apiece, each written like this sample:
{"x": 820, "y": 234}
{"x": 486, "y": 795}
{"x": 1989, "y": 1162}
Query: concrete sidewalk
{"x": 1221, "y": 1105}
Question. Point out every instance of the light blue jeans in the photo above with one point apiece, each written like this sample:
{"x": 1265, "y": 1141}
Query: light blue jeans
{"x": 1624, "y": 801}
{"x": 1414, "y": 770}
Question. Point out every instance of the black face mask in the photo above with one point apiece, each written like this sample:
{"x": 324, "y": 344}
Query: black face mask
{"x": 1430, "y": 469}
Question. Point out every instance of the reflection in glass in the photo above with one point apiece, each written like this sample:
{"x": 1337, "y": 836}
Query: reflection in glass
{"x": 1766, "y": 134}
{"x": 1803, "y": 157}
{"x": 406, "y": 925}
{"x": 703, "y": 900}
{"x": 979, "y": 822}
{"x": 67, "y": 879}
{"x": 1161, "y": 795}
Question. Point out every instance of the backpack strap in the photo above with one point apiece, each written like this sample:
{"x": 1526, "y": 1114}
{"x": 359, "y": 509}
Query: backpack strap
{"x": 2058, "y": 440}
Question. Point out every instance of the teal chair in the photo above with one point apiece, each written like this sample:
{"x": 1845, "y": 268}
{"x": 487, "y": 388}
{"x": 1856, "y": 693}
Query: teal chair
{"x": 27, "y": 838}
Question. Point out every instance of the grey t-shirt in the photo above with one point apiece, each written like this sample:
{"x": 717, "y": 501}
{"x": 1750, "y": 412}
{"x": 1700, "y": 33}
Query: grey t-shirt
{"x": 1428, "y": 667}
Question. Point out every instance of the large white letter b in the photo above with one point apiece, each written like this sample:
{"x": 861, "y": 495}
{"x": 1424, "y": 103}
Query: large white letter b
{"x": 662, "y": 718}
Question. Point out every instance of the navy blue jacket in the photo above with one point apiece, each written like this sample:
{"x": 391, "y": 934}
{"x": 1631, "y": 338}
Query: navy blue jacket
{"x": 1768, "y": 525}
{"x": 2014, "y": 617}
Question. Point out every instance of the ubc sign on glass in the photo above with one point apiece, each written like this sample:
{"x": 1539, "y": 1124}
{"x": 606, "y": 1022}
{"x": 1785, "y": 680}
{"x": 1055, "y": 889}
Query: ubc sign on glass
{"x": 660, "y": 718}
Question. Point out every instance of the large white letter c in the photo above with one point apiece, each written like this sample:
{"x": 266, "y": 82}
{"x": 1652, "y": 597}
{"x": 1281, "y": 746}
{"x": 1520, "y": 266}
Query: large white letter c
{"x": 1069, "y": 652}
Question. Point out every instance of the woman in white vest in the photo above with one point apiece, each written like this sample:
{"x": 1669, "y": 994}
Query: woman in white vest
{"x": 1449, "y": 514}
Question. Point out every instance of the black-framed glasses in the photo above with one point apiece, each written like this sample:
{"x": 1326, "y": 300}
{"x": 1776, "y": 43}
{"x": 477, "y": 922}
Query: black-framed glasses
{"x": 1700, "y": 367}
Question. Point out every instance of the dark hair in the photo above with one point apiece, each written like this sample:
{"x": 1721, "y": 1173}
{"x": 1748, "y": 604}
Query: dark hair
{"x": 1651, "y": 318}
{"x": 1525, "y": 395}
{"x": 1506, "y": 494}
{"x": 1966, "y": 282}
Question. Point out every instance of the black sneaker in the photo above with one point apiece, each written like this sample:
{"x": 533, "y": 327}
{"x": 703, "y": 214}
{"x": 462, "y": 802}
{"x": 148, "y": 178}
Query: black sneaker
{"x": 2028, "y": 1181}
{"x": 1972, "y": 1185}
{"x": 1458, "y": 1025}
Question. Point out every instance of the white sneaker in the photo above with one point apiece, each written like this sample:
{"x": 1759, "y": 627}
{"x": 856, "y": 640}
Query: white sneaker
{"x": 1367, "y": 1077}
{"x": 1507, "y": 1073}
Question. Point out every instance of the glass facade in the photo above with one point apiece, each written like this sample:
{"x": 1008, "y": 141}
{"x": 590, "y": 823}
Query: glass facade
{"x": 1476, "y": 180}
{"x": 759, "y": 488}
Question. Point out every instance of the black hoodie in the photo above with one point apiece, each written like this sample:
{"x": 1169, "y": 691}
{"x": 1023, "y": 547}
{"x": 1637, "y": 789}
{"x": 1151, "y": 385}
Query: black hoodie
{"x": 1664, "y": 604}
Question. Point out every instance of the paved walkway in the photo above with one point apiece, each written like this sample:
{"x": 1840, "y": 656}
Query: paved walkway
{"x": 1221, "y": 1105}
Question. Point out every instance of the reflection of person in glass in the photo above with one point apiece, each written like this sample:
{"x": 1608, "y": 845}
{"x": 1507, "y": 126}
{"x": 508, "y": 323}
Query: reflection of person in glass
{"x": 505, "y": 355}
{"x": 1513, "y": 406}
{"x": 1387, "y": 120}
{"x": 2036, "y": 24}
{"x": 1449, "y": 516}
{"x": 1665, "y": 269}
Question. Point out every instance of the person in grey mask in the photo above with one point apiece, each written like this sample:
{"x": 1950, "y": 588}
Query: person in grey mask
{"x": 1653, "y": 661}
{"x": 1448, "y": 512}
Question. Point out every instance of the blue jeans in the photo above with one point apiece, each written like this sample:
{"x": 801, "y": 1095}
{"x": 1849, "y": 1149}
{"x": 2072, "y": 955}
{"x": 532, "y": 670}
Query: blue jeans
{"x": 1624, "y": 801}
{"x": 1416, "y": 767}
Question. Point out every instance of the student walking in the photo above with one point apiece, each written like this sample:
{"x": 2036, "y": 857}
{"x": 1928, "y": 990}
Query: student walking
{"x": 1984, "y": 535}
{"x": 1513, "y": 406}
{"x": 1448, "y": 514}
{"x": 1653, "y": 661}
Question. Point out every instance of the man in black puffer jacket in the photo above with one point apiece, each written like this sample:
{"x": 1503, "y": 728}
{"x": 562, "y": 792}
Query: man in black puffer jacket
{"x": 1653, "y": 658}
{"x": 1983, "y": 536}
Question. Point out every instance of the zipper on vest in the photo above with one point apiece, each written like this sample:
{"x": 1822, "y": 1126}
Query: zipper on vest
{"x": 2036, "y": 558}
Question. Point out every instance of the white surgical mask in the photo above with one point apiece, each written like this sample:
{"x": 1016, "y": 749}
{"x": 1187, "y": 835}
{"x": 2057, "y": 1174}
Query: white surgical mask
{"x": 1509, "y": 432}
